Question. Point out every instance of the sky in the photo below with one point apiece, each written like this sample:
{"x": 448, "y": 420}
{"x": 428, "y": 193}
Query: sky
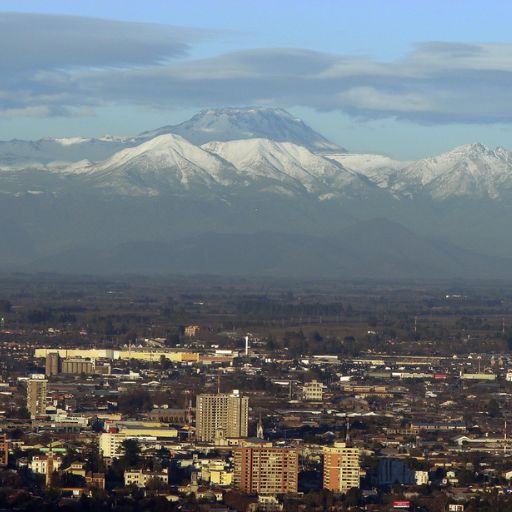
{"x": 404, "y": 78}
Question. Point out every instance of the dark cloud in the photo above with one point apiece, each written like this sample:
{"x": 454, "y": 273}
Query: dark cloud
{"x": 108, "y": 63}
{"x": 39, "y": 41}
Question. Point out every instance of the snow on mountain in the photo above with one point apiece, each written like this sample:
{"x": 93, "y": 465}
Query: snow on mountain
{"x": 23, "y": 154}
{"x": 247, "y": 123}
{"x": 377, "y": 168}
{"x": 167, "y": 162}
{"x": 268, "y": 163}
{"x": 472, "y": 170}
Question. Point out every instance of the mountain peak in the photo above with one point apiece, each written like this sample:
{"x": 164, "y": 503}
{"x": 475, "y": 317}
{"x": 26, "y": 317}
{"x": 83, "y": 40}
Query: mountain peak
{"x": 235, "y": 123}
{"x": 473, "y": 149}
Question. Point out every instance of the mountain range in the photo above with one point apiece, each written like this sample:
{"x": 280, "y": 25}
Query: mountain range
{"x": 252, "y": 191}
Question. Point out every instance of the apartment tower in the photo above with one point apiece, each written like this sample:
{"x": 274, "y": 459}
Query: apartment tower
{"x": 341, "y": 467}
{"x": 223, "y": 413}
{"x": 36, "y": 397}
{"x": 266, "y": 470}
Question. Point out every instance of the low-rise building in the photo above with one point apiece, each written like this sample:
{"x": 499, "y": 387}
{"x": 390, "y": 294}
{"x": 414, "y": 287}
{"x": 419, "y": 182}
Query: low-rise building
{"x": 141, "y": 477}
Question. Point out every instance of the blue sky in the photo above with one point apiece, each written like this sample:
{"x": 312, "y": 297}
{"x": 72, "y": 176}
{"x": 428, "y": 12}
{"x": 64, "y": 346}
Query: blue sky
{"x": 408, "y": 78}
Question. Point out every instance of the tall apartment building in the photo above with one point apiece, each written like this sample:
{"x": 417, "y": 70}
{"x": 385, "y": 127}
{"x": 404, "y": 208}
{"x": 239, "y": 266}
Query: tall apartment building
{"x": 4, "y": 450}
{"x": 52, "y": 366}
{"x": 36, "y": 396}
{"x": 224, "y": 414}
{"x": 341, "y": 467}
{"x": 266, "y": 470}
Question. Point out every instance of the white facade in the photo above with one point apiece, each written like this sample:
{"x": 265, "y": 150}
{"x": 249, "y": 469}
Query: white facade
{"x": 41, "y": 463}
{"x": 421, "y": 477}
{"x": 140, "y": 477}
{"x": 110, "y": 445}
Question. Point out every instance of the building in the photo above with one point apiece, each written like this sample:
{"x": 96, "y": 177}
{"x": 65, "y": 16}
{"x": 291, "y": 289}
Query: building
{"x": 191, "y": 331}
{"x": 421, "y": 477}
{"x": 313, "y": 391}
{"x": 394, "y": 472}
{"x": 341, "y": 467}
{"x": 222, "y": 414}
{"x": 4, "y": 450}
{"x": 95, "y": 480}
{"x": 141, "y": 477}
{"x": 111, "y": 445}
{"x": 216, "y": 472}
{"x": 36, "y": 397}
{"x": 46, "y": 465}
{"x": 266, "y": 470}
{"x": 78, "y": 366}
{"x": 52, "y": 365}
{"x": 172, "y": 416}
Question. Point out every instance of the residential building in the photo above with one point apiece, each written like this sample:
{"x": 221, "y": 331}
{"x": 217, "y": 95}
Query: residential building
{"x": 4, "y": 450}
{"x": 223, "y": 413}
{"x": 341, "y": 467}
{"x": 141, "y": 477}
{"x": 313, "y": 391}
{"x": 266, "y": 470}
{"x": 110, "y": 445}
{"x": 36, "y": 396}
{"x": 421, "y": 477}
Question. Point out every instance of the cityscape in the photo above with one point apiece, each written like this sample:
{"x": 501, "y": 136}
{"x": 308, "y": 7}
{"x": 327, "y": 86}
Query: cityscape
{"x": 255, "y": 256}
{"x": 217, "y": 395}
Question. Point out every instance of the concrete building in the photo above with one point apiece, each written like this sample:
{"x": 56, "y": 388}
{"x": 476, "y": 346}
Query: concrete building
{"x": 4, "y": 450}
{"x": 421, "y": 477}
{"x": 102, "y": 353}
{"x": 222, "y": 414}
{"x": 141, "y": 477}
{"x": 77, "y": 366}
{"x": 216, "y": 472}
{"x": 36, "y": 397}
{"x": 393, "y": 471}
{"x": 191, "y": 331}
{"x": 313, "y": 391}
{"x": 341, "y": 467}
{"x": 46, "y": 465}
{"x": 52, "y": 365}
{"x": 110, "y": 445}
{"x": 266, "y": 470}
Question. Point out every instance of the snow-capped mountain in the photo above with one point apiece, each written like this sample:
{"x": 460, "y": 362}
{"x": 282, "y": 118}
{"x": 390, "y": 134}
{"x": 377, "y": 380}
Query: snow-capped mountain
{"x": 24, "y": 154}
{"x": 207, "y": 126}
{"x": 285, "y": 166}
{"x": 248, "y": 123}
{"x": 169, "y": 164}
{"x": 377, "y": 168}
{"x": 166, "y": 162}
{"x": 472, "y": 170}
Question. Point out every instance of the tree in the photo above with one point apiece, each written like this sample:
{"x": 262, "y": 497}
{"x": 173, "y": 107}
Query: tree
{"x": 134, "y": 401}
{"x": 131, "y": 454}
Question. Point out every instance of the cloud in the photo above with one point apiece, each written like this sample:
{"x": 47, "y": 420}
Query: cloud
{"x": 40, "y": 41}
{"x": 88, "y": 63}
